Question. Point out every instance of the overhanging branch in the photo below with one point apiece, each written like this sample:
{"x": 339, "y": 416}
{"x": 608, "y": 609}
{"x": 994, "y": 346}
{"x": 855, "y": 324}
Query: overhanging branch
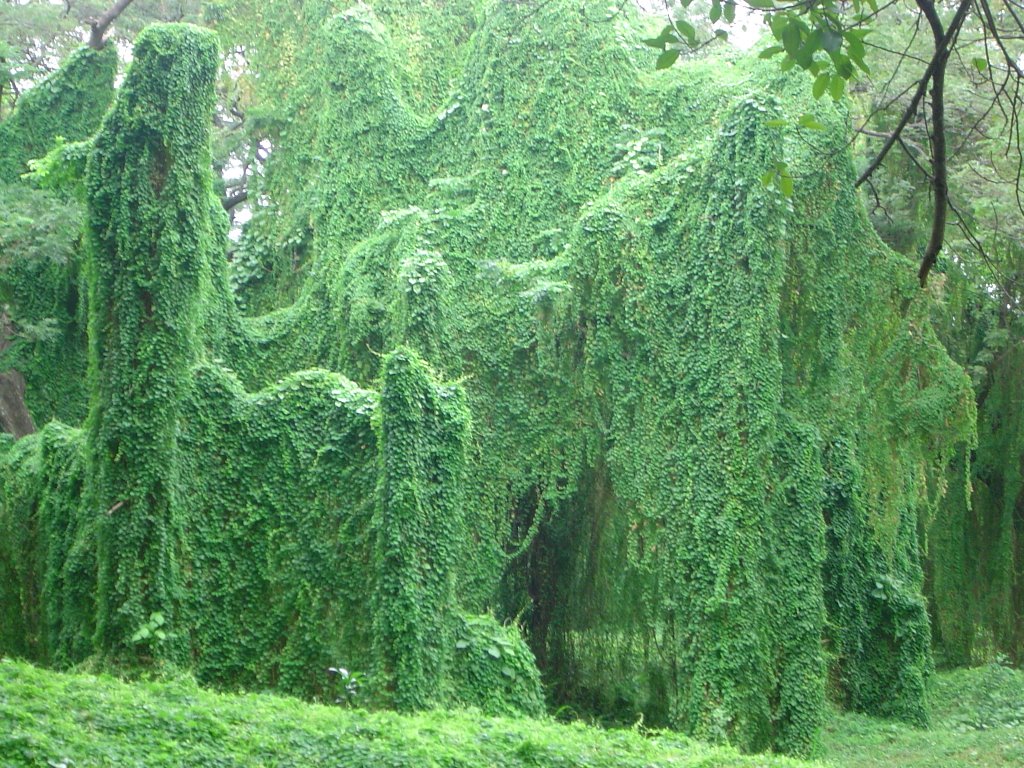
{"x": 98, "y": 27}
{"x": 922, "y": 88}
{"x": 935, "y": 74}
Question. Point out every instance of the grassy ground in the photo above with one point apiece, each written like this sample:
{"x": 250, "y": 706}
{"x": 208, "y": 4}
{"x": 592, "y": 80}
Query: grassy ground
{"x": 52, "y": 720}
{"x": 977, "y": 720}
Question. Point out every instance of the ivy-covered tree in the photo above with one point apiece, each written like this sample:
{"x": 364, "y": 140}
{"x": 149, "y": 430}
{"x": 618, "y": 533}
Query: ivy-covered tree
{"x": 151, "y": 237}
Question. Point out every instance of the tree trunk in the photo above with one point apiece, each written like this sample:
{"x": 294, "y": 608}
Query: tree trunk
{"x": 14, "y": 416}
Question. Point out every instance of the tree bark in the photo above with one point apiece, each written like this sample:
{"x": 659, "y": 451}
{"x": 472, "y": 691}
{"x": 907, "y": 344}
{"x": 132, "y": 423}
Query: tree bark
{"x": 100, "y": 26}
{"x": 936, "y": 75}
{"x": 234, "y": 199}
{"x": 14, "y": 416}
{"x": 940, "y": 183}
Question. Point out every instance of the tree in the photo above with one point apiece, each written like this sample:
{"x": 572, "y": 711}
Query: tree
{"x": 44, "y": 110}
{"x": 835, "y": 42}
{"x": 37, "y": 35}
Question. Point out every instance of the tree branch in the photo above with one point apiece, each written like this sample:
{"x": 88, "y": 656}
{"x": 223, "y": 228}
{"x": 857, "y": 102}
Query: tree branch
{"x": 922, "y": 88}
{"x": 100, "y": 26}
{"x": 232, "y": 200}
{"x": 940, "y": 175}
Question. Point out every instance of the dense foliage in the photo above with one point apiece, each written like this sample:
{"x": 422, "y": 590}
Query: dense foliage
{"x": 698, "y": 427}
{"x": 974, "y": 552}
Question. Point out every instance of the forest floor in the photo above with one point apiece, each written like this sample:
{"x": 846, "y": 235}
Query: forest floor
{"x": 57, "y": 720}
{"x": 977, "y": 720}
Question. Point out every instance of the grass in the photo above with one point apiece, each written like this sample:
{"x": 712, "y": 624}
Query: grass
{"x": 977, "y": 720}
{"x": 50, "y": 720}
{"x": 74, "y": 720}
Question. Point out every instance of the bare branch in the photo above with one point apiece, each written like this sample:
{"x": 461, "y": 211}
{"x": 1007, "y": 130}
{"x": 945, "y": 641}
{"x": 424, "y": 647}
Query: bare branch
{"x": 236, "y": 198}
{"x": 100, "y": 26}
{"x": 939, "y": 59}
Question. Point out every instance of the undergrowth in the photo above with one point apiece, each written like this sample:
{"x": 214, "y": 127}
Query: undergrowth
{"x": 79, "y": 720}
{"x": 977, "y": 720}
{"x": 75, "y": 720}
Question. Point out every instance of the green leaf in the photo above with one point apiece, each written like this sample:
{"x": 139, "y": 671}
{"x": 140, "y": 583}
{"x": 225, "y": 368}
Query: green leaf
{"x": 667, "y": 35}
{"x": 830, "y": 39}
{"x": 730, "y": 11}
{"x": 791, "y": 39}
{"x": 761, "y": 5}
{"x": 856, "y": 50}
{"x": 777, "y": 123}
{"x": 493, "y": 651}
{"x": 786, "y": 185}
{"x": 688, "y": 32}
{"x": 667, "y": 59}
{"x": 461, "y": 644}
{"x": 855, "y": 47}
{"x": 837, "y": 86}
{"x": 810, "y": 46}
{"x": 979, "y": 64}
{"x": 767, "y": 53}
{"x": 843, "y": 65}
{"x": 808, "y": 120}
{"x": 767, "y": 178}
{"x": 820, "y": 85}
{"x": 716, "y": 11}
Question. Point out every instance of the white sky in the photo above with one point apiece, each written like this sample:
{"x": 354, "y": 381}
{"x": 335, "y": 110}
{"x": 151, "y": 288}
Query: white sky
{"x": 745, "y": 30}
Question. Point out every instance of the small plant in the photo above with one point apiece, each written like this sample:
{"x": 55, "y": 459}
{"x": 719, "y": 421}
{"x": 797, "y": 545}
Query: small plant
{"x": 640, "y": 151}
{"x": 345, "y": 685}
{"x": 152, "y": 632}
